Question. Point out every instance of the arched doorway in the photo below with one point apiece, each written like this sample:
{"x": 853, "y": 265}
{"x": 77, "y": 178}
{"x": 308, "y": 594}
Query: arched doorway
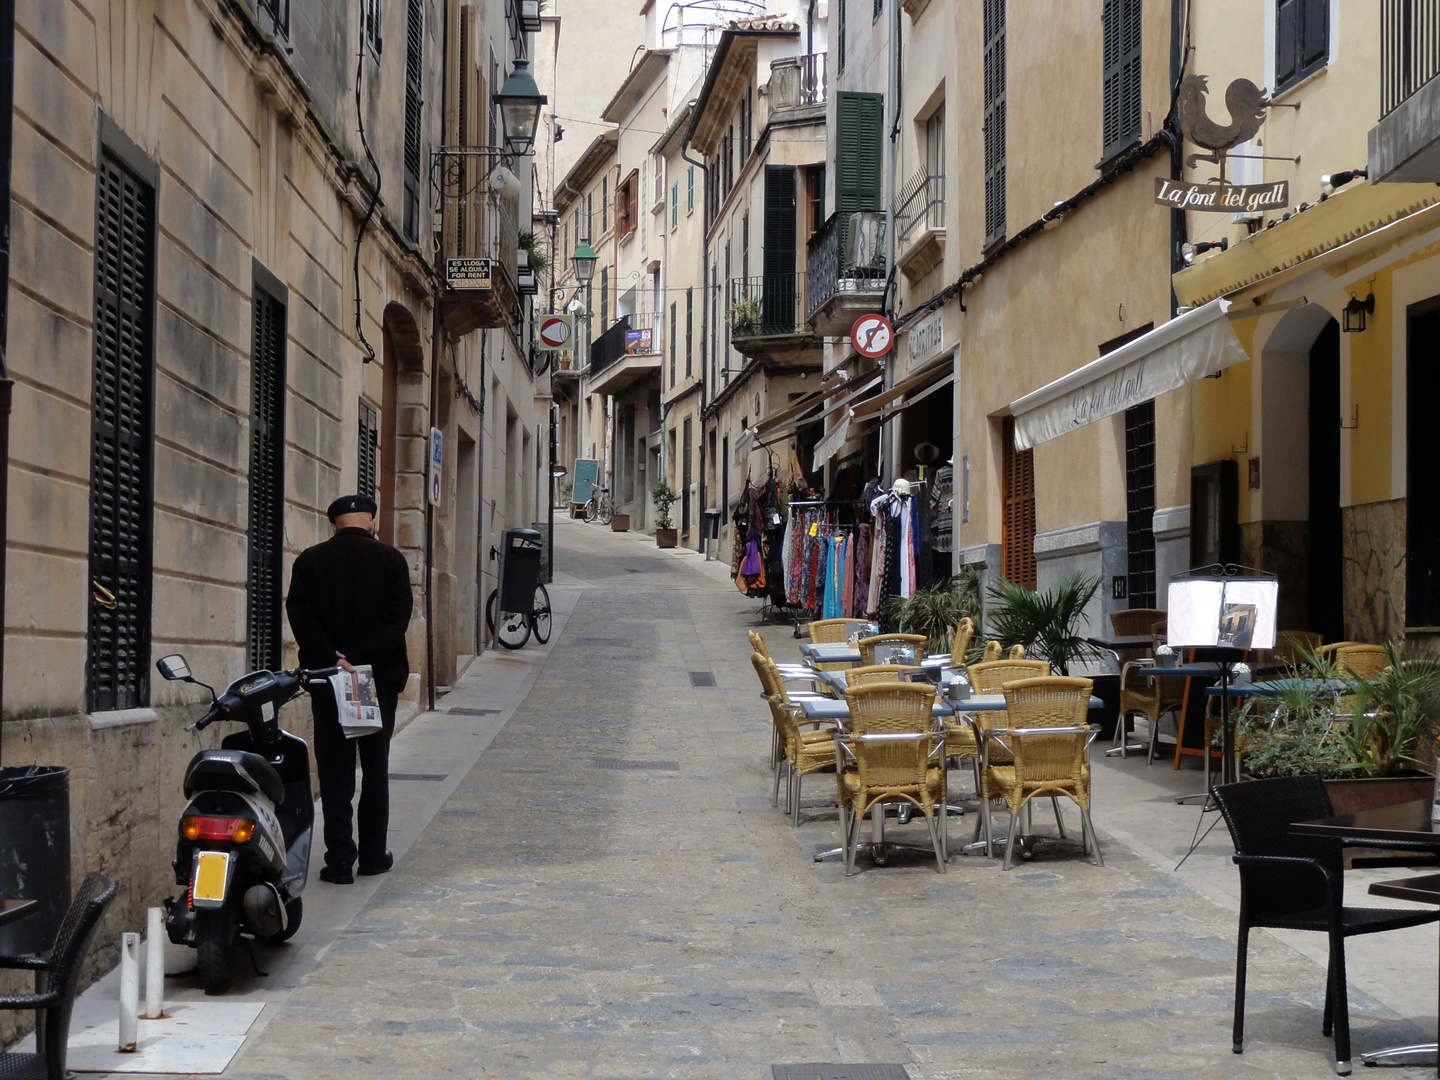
{"x": 403, "y": 361}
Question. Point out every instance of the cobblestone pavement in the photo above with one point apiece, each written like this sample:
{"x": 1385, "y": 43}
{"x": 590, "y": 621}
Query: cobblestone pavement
{"x": 608, "y": 893}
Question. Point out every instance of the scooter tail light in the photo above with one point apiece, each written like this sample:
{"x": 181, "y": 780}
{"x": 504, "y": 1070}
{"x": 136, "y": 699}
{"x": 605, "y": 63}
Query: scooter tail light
{"x": 240, "y": 830}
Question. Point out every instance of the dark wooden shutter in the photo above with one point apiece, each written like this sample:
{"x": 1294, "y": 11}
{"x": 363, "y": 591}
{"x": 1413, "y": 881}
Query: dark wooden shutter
{"x": 1302, "y": 39}
{"x": 1140, "y": 503}
{"x": 1017, "y": 532}
{"x": 674, "y": 333}
{"x": 859, "y": 153}
{"x": 1287, "y": 20}
{"x": 1122, "y": 19}
{"x": 778, "y": 290}
{"x": 267, "y": 478}
{"x": 686, "y": 477}
{"x": 1314, "y": 35}
{"x": 994, "y": 62}
{"x": 689, "y": 330}
{"x": 414, "y": 95}
{"x": 121, "y": 465}
{"x": 369, "y": 444}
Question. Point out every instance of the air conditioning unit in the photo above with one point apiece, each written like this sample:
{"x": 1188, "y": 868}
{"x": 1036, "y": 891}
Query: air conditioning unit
{"x": 865, "y": 239}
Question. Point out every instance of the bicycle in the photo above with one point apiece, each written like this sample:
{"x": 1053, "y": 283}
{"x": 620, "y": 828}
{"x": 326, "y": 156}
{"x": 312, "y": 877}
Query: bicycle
{"x": 599, "y": 507}
{"x": 514, "y": 628}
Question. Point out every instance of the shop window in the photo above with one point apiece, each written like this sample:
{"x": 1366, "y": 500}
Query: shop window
{"x": 1017, "y": 523}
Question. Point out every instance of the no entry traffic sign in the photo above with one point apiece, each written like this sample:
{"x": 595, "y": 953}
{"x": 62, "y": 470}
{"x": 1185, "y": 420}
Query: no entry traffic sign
{"x": 872, "y": 335}
{"x": 555, "y": 332}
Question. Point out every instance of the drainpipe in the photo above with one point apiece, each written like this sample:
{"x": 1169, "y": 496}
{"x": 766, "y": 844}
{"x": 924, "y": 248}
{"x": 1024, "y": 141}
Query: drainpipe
{"x": 7, "y": 385}
{"x": 704, "y": 330}
{"x": 481, "y": 552}
{"x": 437, "y": 344}
{"x": 890, "y": 438}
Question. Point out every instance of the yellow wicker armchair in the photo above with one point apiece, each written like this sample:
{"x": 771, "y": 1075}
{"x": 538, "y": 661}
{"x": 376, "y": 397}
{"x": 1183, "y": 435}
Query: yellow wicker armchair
{"x": 875, "y": 673}
{"x": 801, "y": 752}
{"x": 896, "y": 757}
{"x": 829, "y": 631}
{"x": 870, "y": 646}
{"x": 1366, "y": 661}
{"x": 960, "y": 637}
{"x": 1017, "y": 652}
{"x": 1048, "y": 739}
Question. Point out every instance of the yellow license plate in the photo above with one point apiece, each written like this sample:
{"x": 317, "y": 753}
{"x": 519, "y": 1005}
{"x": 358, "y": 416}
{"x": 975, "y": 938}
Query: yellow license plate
{"x": 210, "y": 872}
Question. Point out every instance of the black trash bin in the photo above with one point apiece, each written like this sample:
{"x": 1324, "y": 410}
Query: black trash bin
{"x": 519, "y": 570}
{"x": 710, "y": 526}
{"x": 34, "y": 852}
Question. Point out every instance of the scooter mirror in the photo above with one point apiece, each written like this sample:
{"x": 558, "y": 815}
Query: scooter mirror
{"x": 173, "y": 667}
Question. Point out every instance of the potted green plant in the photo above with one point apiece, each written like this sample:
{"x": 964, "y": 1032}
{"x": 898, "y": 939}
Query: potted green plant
{"x": 664, "y": 496}
{"x": 934, "y": 609}
{"x": 745, "y": 316}
{"x": 1046, "y": 623}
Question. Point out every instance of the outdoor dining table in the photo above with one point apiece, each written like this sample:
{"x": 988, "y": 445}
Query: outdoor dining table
{"x": 1411, "y": 824}
{"x": 830, "y": 652}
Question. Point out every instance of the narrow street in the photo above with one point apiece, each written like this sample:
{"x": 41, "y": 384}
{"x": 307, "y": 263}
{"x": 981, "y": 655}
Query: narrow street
{"x": 609, "y": 893}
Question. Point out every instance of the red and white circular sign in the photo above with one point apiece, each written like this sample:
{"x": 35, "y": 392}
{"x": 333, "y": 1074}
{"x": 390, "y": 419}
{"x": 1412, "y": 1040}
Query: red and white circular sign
{"x": 872, "y": 335}
{"x": 554, "y": 331}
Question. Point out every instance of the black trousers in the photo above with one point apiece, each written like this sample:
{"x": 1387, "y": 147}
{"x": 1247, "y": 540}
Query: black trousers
{"x": 335, "y": 763}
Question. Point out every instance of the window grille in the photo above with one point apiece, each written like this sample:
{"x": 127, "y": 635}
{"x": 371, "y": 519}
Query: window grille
{"x": 414, "y": 95}
{"x": 1140, "y": 503}
{"x": 121, "y": 463}
{"x": 267, "y": 479}
{"x": 1017, "y": 534}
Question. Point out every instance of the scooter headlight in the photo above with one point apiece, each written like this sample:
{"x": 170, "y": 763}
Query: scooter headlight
{"x": 240, "y": 830}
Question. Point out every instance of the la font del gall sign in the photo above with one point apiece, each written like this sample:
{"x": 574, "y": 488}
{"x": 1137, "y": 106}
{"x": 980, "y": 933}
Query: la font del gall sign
{"x": 1222, "y": 198}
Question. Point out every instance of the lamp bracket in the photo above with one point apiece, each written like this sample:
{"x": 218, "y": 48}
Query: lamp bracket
{"x": 448, "y": 167}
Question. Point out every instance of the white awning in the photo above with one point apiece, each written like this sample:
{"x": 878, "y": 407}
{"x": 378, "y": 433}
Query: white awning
{"x": 1187, "y": 348}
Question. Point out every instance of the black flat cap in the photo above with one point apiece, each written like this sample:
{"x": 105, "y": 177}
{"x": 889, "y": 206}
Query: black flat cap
{"x": 352, "y": 504}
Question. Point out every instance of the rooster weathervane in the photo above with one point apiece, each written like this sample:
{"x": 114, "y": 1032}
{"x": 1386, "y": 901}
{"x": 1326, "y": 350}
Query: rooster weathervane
{"x": 1245, "y": 101}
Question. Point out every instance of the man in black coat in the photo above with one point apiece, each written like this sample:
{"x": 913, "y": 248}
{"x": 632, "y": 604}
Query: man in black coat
{"x": 350, "y": 603}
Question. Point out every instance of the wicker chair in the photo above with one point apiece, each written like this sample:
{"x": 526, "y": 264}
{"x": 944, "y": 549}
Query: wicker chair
{"x": 1143, "y": 697}
{"x": 896, "y": 758}
{"x": 989, "y": 677}
{"x": 869, "y": 646}
{"x": 1296, "y": 883}
{"x": 960, "y": 637}
{"x": 801, "y": 752}
{"x": 875, "y": 673}
{"x": 788, "y": 672}
{"x": 62, "y": 967}
{"x": 829, "y": 631}
{"x": 1289, "y": 643}
{"x": 1367, "y": 661}
{"x": 1048, "y": 739}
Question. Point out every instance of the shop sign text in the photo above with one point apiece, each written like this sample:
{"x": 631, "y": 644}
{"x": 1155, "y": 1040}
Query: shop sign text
{"x": 1222, "y": 198}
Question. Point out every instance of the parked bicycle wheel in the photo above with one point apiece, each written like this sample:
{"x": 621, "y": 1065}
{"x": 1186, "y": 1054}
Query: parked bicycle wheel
{"x": 510, "y": 628}
{"x": 606, "y": 511}
{"x": 540, "y": 621}
{"x": 591, "y": 511}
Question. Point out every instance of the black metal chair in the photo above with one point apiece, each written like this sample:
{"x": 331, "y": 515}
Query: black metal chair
{"x": 58, "y": 981}
{"x": 1295, "y": 883}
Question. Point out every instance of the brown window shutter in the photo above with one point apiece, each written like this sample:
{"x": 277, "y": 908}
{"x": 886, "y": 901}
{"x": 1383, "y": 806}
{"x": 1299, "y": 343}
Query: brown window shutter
{"x": 1017, "y": 533}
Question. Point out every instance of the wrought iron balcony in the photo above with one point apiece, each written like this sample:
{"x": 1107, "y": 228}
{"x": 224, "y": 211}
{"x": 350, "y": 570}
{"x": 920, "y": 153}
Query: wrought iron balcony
{"x": 627, "y": 352}
{"x": 845, "y": 273}
{"x": 478, "y": 240}
{"x": 797, "y": 82}
{"x": 1409, "y": 49}
{"x": 920, "y": 224}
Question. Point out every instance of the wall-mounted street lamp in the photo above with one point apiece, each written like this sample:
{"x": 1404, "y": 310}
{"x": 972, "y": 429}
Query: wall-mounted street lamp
{"x": 1355, "y": 312}
{"x": 1189, "y": 251}
{"x": 520, "y": 102}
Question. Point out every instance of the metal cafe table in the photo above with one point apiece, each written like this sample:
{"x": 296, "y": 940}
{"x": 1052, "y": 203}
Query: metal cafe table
{"x": 13, "y": 910}
{"x": 836, "y": 652}
{"x": 1408, "y": 823}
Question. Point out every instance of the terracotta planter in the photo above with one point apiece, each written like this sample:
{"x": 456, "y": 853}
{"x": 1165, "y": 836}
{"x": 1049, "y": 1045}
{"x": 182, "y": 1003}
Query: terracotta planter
{"x": 620, "y": 523}
{"x": 667, "y": 538}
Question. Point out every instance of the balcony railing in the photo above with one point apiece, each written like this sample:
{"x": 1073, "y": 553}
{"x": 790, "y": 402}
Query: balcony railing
{"x": 767, "y": 306}
{"x": 1409, "y": 49}
{"x": 798, "y": 81}
{"x": 630, "y": 335}
{"x": 831, "y": 268}
{"x": 476, "y": 222}
{"x": 921, "y": 206}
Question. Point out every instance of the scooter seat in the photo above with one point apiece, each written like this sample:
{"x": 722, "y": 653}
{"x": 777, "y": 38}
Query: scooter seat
{"x": 233, "y": 770}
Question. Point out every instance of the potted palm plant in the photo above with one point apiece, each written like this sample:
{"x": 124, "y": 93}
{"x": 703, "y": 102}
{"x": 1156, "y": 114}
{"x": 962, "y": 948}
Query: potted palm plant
{"x": 664, "y": 496}
{"x": 935, "y": 609}
{"x": 1046, "y": 623}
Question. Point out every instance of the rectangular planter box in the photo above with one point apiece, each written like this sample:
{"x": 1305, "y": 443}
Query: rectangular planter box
{"x": 667, "y": 538}
{"x": 620, "y": 523}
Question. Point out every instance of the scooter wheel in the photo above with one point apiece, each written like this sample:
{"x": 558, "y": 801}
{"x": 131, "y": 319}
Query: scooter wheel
{"x": 294, "y": 910}
{"x": 214, "y": 948}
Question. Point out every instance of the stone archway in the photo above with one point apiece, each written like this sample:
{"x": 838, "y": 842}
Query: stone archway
{"x": 402, "y": 431}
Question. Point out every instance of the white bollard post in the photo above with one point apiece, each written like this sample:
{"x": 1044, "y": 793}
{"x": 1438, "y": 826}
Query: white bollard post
{"x": 129, "y": 990}
{"x": 155, "y": 965}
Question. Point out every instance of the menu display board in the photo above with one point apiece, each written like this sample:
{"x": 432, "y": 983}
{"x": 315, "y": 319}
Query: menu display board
{"x": 1235, "y": 613}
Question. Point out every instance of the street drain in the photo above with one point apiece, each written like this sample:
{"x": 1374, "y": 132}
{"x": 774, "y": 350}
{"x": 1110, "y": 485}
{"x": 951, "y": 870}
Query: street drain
{"x": 839, "y": 1072}
{"x": 620, "y": 763}
{"x": 702, "y": 678}
{"x": 418, "y": 776}
{"x": 471, "y": 712}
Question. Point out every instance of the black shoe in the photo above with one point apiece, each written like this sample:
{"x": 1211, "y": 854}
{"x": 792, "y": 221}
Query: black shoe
{"x": 337, "y": 875}
{"x": 381, "y": 867}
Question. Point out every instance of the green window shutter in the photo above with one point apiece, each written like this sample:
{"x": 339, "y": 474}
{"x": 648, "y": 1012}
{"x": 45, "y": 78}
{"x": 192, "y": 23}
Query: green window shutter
{"x": 674, "y": 327}
{"x": 1122, "y": 20}
{"x": 689, "y": 330}
{"x": 859, "y": 154}
{"x": 840, "y": 37}
{"x": 690, "y": 190}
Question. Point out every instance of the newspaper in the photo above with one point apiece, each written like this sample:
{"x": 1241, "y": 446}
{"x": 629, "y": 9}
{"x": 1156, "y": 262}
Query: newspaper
{"x": 356, "y": 701}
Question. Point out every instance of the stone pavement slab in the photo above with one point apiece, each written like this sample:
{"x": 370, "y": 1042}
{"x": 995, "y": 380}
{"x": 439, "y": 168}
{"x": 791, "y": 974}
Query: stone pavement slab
{"x": 603, "y": 890}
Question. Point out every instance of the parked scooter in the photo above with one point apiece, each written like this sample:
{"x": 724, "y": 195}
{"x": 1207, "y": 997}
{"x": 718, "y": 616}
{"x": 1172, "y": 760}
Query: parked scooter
{"x": 243, "y": 853}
